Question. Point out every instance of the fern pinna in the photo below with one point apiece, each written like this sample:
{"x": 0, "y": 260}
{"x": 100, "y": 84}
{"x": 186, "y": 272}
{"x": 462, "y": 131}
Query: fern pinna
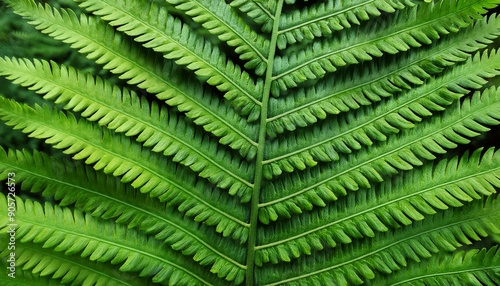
{"x": 279, "y": 142}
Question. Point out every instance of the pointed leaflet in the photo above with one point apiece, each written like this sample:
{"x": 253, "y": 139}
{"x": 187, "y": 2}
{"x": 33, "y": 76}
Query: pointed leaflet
{"x": 219, "y": 19}
{"x": 294, "y": 193}
{"x": 401, "y": 201}
{"x": 371, "y": 82}
{"x": 125, "y": 112}
{"x": 25, "y": 277}
{"x": 124, "y": 57}
{"x": 118, "y": 155}
{"x": 475, "y": 266}
{"x": 258, "y": 11}
{"x": 297, "y": 151}
{"x": 40, "y": 266}
{"x": 326, "y": 17}
{"x": 104, "y": 196}
{"x": 160, "y": 31}
{"x": 421, "y": 25}
{"x": 102, "y": 241}
{"x": 366, "y": 259}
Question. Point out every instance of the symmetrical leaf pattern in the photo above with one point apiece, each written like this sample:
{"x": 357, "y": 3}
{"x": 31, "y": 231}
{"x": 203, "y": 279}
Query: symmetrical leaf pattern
{"x": 258, "y": 142}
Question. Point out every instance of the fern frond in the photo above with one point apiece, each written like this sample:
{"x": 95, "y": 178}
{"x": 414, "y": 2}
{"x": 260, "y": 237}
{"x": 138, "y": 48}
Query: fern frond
{"x": 144, "y": 170}
{"x": 293, "y": 194}
{"x": 25, "y": 278}
{"x": 325, "y": 18}
{"x": 358, "y": 262}
{"x": 219, "y": 19}
{"x": 101, "y": 241}
{"x": 256, "y": 142}
{"x": 122, "y": 57}
{"x": 125, "y": 112}
{"x": 147, "y": 23}
{"x": 472, "y": 267}
{"x": 257, "y": 11}
{"x": 296, "y": 151}
{"x": 65, "y": 269}
{"x": 371, "y": 82}
{"x": 406, "y": 198}
{"x": 106, "y": 197}
{"x": 421, "y": 25}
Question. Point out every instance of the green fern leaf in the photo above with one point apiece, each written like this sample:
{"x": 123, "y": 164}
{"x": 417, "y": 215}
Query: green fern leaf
{"x": 220, "y": 20}
{"x": 89, "y": 35}
{"x": 474, "y": 267}
{"x": 261, "y": 142}
{"x": 326, "y": 17}
{"x": 293, "y": 194}
{"x": 26, "y": 278}
{"x": 106, "y": 197}
{"x": 404, "y": 113}
{"x": 44, "y": 262}
{"x": 459, "y": 182}
{"x": 134, "y": 118}
{"x": 258, "y": 11}
{"x": 326, "y": 57}
{"x": 82, "y": 236}
{"x": 174, "y": 186}
{"x": 185, "y": 47}
{"x": 389, "y": 252}
{"x": 365, "y": 86}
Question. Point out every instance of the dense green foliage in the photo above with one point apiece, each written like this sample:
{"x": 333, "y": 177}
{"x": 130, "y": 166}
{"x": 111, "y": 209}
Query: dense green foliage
{"x": 19, "y": 39}
{"x": 255, "y": 142}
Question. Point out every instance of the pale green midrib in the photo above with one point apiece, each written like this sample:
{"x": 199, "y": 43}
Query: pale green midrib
{"x": 130, "y": 206}
{"x": 122, "y": 245}
{"x": 131, "y": 116}
{"x": 69, "y": 261}
{"x": 139, "y": 164}
{"x": 428, "y": 231}
{"x": 385, "y": 154}
{"x": 379, "y": 206}
{"x": 244, "y": 39}
{"x": 298, "y": 26}
{"x": 402, "y": 31}
{"x": 458, "y": 272}
{"x": 448, "y": 79}
{"x": 214, "y": 68}
{"x": 271, "y": 16}
{"x": 144, "y": 71}
{"x": 259, "y": 176}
